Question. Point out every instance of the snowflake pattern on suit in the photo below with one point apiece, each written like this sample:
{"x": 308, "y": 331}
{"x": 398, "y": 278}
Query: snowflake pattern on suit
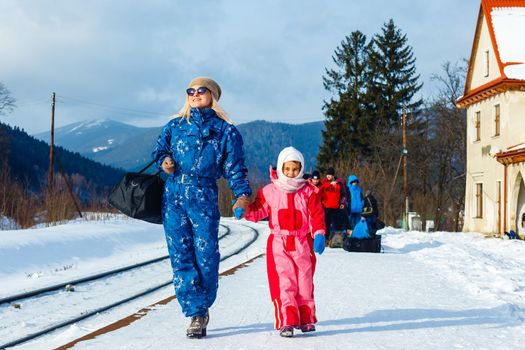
{"x": 203, "y": 149}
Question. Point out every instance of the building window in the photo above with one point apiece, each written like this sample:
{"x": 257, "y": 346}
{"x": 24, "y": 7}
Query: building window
{"x": 478, "y": 126}
{"x": 487, "y": 63}
{"x": 496, "y": 120}
{"x": 479, "y": 200}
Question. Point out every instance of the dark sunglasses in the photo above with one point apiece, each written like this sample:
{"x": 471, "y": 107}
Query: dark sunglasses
{"x": 191, "y": 91}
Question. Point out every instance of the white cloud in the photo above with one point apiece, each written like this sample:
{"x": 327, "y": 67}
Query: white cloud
{"x": 268, "y": 56}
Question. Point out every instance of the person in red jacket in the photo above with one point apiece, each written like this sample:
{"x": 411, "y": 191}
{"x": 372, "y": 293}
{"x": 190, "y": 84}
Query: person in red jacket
{"x": 333, "y": 198}
{"x": 296, "y": 231}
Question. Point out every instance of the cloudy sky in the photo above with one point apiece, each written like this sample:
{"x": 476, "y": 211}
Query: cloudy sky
{"x": 131, "y": 60}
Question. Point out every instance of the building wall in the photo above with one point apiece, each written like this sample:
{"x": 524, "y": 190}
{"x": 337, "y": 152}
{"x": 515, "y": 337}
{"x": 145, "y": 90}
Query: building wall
{"x": 479, "y": 68}
{"x": 483, "y": 168}
{"x": 515, "y": 173}
{"x": 517, "y": 110}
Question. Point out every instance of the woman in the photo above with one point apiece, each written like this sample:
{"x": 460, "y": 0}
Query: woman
{"x": 195, "y": 148}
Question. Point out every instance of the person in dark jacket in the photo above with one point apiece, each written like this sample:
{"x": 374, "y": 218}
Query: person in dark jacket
{"x": 370, "y": 212}
{"x": 195, "y": 149}
{"x": 315, "y": 178}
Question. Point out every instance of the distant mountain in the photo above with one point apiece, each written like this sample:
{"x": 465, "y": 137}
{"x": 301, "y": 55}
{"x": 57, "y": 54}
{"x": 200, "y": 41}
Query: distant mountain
{"x": 129, "y": 147}
{"x": 28, "y": 160}
{"x": 264, "y": 140}
{"x": 107, "y": 141}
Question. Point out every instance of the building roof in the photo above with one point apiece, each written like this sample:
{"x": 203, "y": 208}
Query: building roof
{"x": 512, "y": 155}
{"x": 506, "y": 25}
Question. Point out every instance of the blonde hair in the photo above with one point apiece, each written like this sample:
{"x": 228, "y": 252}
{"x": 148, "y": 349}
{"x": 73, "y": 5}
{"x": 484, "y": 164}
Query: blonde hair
{"x": 185, "y": 111}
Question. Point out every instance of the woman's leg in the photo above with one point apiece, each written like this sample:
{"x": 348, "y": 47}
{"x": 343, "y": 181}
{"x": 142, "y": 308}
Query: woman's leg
{"x": 203, "y": 212}
{"x": 180, "y": 242}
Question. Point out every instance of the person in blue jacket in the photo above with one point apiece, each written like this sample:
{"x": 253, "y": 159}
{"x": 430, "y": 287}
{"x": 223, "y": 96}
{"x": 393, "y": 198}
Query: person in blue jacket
{"x": 356, "y": 201}
{"x": 195, "y": 149}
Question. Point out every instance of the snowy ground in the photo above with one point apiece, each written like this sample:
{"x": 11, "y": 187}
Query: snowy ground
{"x": 427, "y": 291}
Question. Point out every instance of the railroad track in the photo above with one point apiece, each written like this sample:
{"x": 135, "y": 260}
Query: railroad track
{"x": 110, "y": 274}
{"x": 76, "y": 282}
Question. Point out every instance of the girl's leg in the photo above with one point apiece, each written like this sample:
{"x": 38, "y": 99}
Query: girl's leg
{"x": 282, "y": 278}
{"x": 305, "y": 261}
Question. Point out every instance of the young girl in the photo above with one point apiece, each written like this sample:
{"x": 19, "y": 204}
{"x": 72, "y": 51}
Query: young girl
{"x": 295, "y": 210}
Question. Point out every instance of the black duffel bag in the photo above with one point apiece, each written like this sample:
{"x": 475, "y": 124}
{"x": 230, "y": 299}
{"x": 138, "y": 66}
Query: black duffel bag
{"x": 363, "y": 245}
{"x": 139, "y": 196}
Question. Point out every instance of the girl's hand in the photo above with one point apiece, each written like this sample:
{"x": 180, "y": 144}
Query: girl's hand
{"x": 319, "y": 241}
{"x": 168, "y": 166}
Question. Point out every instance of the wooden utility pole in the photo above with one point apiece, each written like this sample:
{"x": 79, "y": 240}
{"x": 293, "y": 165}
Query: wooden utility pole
{"x": 51, "y": 143}
{"x": 405, "y": 176}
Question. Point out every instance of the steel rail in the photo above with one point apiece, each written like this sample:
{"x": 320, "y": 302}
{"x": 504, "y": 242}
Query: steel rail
{"x": 91, "y": 313}
{"x": 61, "y": 285}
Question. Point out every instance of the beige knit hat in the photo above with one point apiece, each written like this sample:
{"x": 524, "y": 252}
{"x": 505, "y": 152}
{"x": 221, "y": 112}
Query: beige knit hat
{"x": 208, "y": 83}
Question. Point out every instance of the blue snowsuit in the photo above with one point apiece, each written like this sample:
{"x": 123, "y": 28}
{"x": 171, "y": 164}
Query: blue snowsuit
{"x": 203, "y": 150}
{"x": 356, "y": 201}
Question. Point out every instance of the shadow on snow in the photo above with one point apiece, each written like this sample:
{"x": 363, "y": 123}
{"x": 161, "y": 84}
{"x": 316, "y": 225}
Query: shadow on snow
{"x": 391, "y": 321}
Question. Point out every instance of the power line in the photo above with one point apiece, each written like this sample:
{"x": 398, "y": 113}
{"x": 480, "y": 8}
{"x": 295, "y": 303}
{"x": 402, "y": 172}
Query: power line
{"x": 27, "y": 103}
{"x": 110, "y": 106}
{"x": 100, "y": 106}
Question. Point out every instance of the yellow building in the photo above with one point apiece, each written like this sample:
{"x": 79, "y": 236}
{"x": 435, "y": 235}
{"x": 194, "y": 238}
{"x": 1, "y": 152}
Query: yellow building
{"x": 494, "y": 98}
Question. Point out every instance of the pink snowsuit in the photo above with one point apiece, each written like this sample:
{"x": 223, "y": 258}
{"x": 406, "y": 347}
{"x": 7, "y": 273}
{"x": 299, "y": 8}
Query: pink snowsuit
{"x": 290, "y": 259}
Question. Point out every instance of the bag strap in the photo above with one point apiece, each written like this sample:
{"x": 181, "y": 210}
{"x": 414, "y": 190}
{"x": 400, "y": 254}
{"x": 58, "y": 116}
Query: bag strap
{"x": 147, "y": 166}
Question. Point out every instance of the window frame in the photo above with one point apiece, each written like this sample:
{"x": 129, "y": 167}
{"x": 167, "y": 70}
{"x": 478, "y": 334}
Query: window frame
{"x": 487, "y": 66}
{"x": 497, "y": 120}
{"x": 479, "y": 200}
{"x": 477, "y": 126}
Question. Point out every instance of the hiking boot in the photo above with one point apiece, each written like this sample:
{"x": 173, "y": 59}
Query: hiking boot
{"x": 286, "y": 331}
{"x": 197, "y": 328}
{"x": 310, "y": 327}
{"x": 206, "y": 318}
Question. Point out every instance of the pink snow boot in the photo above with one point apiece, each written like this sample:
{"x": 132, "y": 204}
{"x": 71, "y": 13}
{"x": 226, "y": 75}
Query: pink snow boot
{"x": 310, "y": 327}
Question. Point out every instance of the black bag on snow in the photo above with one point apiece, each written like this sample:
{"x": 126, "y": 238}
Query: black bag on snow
{"x": 139, "y": 196}
{"x": 363, "y": 245}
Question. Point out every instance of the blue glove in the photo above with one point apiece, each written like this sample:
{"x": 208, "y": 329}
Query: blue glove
{"x": 238, "y": 213}
{"x": 319, "y": 243}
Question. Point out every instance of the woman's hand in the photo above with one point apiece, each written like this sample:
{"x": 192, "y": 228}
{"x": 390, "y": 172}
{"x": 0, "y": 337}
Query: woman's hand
{"x": 242, "y": 202}
{"x": 168, "y": 166}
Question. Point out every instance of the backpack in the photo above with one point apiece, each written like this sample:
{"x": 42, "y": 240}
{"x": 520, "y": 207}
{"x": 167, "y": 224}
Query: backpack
{"x": 360, "y": 230}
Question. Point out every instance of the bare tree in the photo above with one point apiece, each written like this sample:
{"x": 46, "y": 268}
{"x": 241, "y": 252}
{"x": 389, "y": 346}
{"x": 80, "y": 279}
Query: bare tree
{"x": 7, "y": 102}
{"x": 449, "y": 145}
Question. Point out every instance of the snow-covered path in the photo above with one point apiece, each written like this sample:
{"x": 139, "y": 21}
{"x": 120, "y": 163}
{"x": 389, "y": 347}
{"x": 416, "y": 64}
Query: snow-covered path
{"x": 364, "y": 301}
{"x": 427, "y": 291}
{"x": 404, "y": 299}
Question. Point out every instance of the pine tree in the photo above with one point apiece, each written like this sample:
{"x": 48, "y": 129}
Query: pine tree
{"x": 392, "y": 85}
{"x": 394, "y": 82}
{"x": 345, "y": 127}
